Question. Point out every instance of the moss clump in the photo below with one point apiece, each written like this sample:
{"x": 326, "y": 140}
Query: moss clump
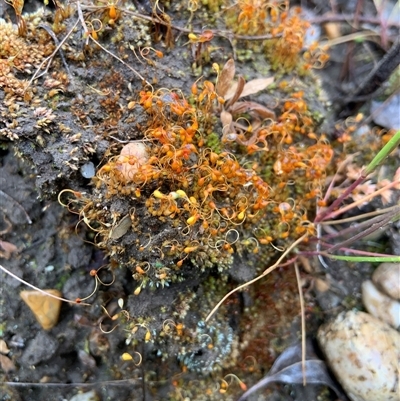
{"x": 167, "y": 202}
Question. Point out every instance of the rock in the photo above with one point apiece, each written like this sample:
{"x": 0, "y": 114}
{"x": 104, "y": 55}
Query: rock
{"x": 387, "y": 278}
{"x": 380, "y": 305}
{"x": 88, "y": 170}
{"x": 46, "y": 309}
{"x": 89, "y": 396}
{"x": 387, "y": 113}
{"x": 41, "y": 348}
{"x": 364, "y": 354}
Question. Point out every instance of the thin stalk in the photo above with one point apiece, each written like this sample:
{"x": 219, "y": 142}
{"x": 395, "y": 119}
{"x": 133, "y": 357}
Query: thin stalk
{"x": 264, "y": 273}
{"x": 348, "y": 38}
{"x": 359, "y": 217}
{"x": 120, "y": 60}
{"x": 327, "y": 213}
{"x": 346, "y": 18}
{"x": 380, "y": 219}
{"x": 349, "y": 250}
{"x": 49, "y": 58}
{"x": 341, "y": 167}
{"x": 377, "y": 225}
{"x": 38, "y": 289}
{"x": 358, "y": 252}
{"x": 376, "y": 259}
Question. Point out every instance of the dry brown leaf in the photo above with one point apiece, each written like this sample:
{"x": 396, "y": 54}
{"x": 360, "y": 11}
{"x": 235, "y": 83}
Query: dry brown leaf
{"x": 226, "y": 120}
{"x": 6, "y": 364}
{"x": 46, "y": 309}
{"x": 250, "y": 88}
{"x": 225, "y": 79}
{"x": 256, "y": 85}
{"x": 3, "y": 347}
{"x": 238, "y": 87}
{"x": 7, "y": 249}
{"x": 252, "y": 107}
{"x": 121, "y": 228}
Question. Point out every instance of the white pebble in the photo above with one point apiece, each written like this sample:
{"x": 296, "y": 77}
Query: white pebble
{"x": 387, "y": 278}
{"x": 88, "y": 170}
{"x": 88, "y": 396}
{"x": 380, "y": 305}
{"x": 364, "y": 355}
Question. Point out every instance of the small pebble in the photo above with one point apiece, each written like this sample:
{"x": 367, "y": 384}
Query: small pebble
{"x": 88, "y": 170}
{"x": 380, "y": 305}
{"x": 46, "y": 309}
{"x": 387, "y": 278}
{"x": 49, "y": 268}
{"x": 387, "y": 113}
{"x": 364, "y": 355}
{"x": 88, "y": 396}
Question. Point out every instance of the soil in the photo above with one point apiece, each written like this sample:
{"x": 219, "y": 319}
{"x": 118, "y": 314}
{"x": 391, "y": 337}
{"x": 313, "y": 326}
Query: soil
{"x": 49, "y": 151}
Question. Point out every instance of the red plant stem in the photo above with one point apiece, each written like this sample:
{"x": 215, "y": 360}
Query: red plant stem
{"x": 375, "y": 226}
{"x": 365, "y": 253}
{"x": 359, "y": 226}
{"x": 329, "y": 211}
{"x": 363, "y": 200}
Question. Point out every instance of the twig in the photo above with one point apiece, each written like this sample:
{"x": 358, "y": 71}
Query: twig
{"x": 82, "y": 19}
{"x": 303, "y": 324}
{"x": 358, "y": 252}
{"x": 347, "y": 250}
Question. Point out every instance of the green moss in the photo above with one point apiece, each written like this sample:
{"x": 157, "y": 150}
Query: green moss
{"x": 213, "y": 142}
{"x": 61, "y": 281}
